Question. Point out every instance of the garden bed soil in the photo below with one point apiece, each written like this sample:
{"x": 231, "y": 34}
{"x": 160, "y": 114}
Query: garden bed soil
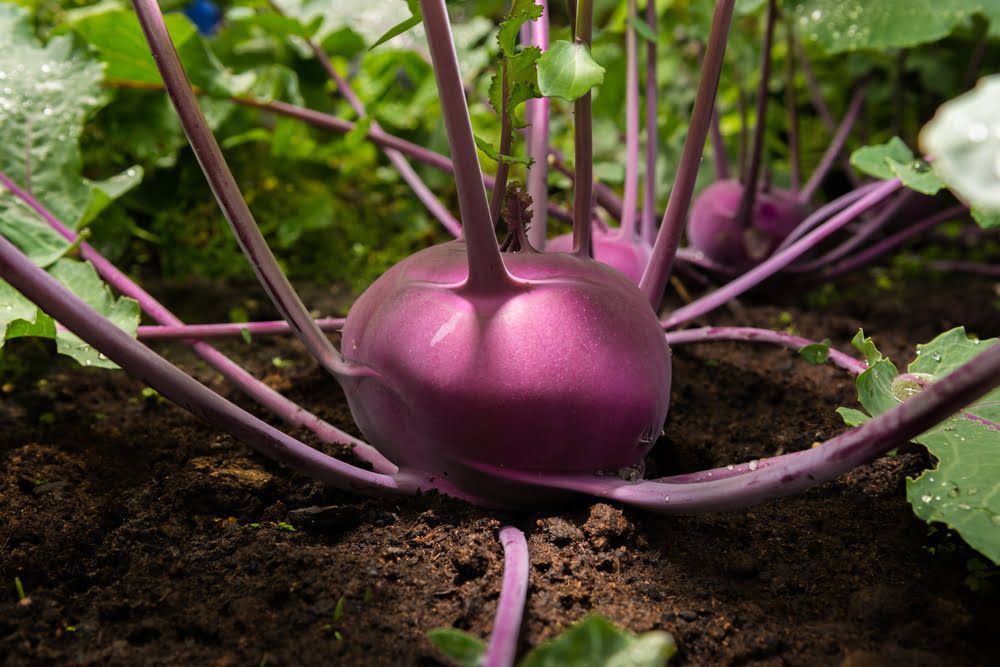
{"x": 144, "y": 537}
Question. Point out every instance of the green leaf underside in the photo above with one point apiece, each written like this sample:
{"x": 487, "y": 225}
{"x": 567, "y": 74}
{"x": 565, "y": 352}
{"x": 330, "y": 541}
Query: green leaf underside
{"x": 596, "y": 642}
{"x": 850, "y": 25}
{"x": 568, "y": 70}
{"x": 19, "y": 317}
{"x": 461, "y": 648}
{"x": 894, "y": 159}
{"x": 964, "y": 138}
{"x": 963, "y": 490}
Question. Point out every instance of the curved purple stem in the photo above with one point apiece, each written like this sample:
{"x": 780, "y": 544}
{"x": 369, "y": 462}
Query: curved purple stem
{"x": 892, "y": 242}
{"x": 229, "y": 329}
{"x": 631, "y": 198}
{"x": 536, "y": 112}
{"x": 750, "y": 334}
{"x": 502, "y": 649}
{"x": 648, "y": 231}
{"x": 966, "y": 267}
{"x": 780, "y": 259}
{"x": 583, "y": 143}
{"x": 654, "y": 278}
{"x": 825, "y": 211}
{"x": 254, "y": 388}
{"x": 864, "y": 231}
{"x": 698, "y": 258}
{"x": 227, "y": 192}
{"x": 836, "y": 147}
{"x": 147, "y": 366}
{"x": 764, "y": 479}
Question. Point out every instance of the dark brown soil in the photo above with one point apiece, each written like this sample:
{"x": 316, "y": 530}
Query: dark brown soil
{"x": 144, "y": 537}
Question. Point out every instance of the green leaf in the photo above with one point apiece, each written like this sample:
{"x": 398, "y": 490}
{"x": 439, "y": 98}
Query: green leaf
{"x": 116, "y": 35}
{"x": 963, "y": 490}
{"x": 986, "y": 219}
{"x": 963, "y": 137}
{"x": 397, "y": 30}
{"x": 816, "y": 353}
{"x": 568, "y": 70}
{"x": 103, "y": 193}
{"x": 876, "y": 160}
{"x": 19, "y": 317}
{"x": 866, "y": 346}
{"x": 853, "y": 417}
{"x": 596, "y": 642}
{"x": 849, "y": 25}
{"x": 521, "y": 12}
{"x": 491, "y": 152}
{"x": 460, "y": 648}
{"x": 642, "y": 29}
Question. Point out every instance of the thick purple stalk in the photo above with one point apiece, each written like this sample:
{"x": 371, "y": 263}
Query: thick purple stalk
{"x": 405, "y": 170}
{"x": 860, "y": 235}
{"x": 892, "y": 242}
{"x": 536, "y": 113}
{"x": 243, "y": 380}
{"x": 654, "y": 279}
{"x": 649, "y": 191}
{"x": 825, "y": 211}
{"x": 966, "y": 267}
{"x": 147, "y": 366}
{"x": 229, "y": 330}
{"x": 506, "y": 135}
{"x": 743, "y": 214}
{"x": 780, "y": 259}
{"x": 583, "y": 142}
{"x": 792, "y": 103}
{"x": 486, "y": 268}
{"x": 227, "y": 192}
{"x": 631, "y": 199}
{"x": 502, "y": 649}
{"x": 836, "y": 146}
{"x": 764, "y": 479}
{"x": 750, "y": 334}
{"x": 720, "y": 161}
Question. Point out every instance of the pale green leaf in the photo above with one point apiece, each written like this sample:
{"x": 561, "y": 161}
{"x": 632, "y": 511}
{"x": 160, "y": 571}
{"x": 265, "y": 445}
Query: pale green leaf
{"x": 568, "y": 70}
{"x": 460, "y": 648}
{"x": 596, "y": 642}
{"x": 816, "y": 353}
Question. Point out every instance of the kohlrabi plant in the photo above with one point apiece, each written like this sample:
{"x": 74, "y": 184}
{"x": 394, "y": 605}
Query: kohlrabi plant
{"x": 504, "y": 374}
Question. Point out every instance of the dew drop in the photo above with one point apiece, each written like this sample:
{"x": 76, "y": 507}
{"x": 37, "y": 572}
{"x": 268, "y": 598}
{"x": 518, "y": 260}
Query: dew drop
{"x": 936, "y": 356}
{"x": 963, "y": 506}
{"x": 666, "y": 499}
{"x": 816, "y": 15}
{"x": 753, "y": 464}
{"x": 995, "y": 519}
{"x": 925, "y": 498}
{"x": 728, "y": 467}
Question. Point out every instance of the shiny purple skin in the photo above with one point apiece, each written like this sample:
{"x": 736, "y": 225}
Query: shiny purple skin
{"x": 714, "y": 230}
{"x": 628, "y": 256}
{"x": 568, "y": 372}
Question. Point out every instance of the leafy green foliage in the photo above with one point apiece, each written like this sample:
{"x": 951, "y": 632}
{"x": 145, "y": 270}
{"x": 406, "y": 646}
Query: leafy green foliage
{"x": 568, "y": 70}
{"x": 964, "y": 138}
{"x": 963, "y": 490}
{"x": 816, "y": 353}
{"x": 593, "y": 641}
{"x": 403, "y": 26}
{"x": 894, "y": 159}
{"x": 850, "y": 25}
{"x": 596, "y": 642}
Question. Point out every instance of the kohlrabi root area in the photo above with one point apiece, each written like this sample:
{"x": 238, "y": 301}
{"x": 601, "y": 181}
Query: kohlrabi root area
{"x": 714, "y": 228}
{"x": 565, "y": 371}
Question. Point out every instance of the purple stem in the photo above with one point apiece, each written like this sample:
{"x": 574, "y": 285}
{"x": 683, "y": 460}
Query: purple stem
{"x": 760, "y": 480}
{"x": 698, "y": 258}
{"x": 229, "y": 330}
{"x": 246, "y": 382}
{"x": 486, "y": 268}
{"x": 743, "y": 214}
{"x": 836, "y": 147}
{"x": 147, "y": 366}
{"x": 825, "y": 211}
{"x": 780, "y": 259}
{"x": 892, "y": 242}
{"x": 966, "y": 267}
{"x": 583, "y": 143}
{"x": 791, "y": 102}
{"x": 864, "y": 232}
{"x": 719, "y": 158}
{"x": 631, "y": 198}
{"x": 502, "y": 649}
{"x": 654, "y": 278}
{"x": 506, "y": 132}
{"x": 704, "y": 334}
{"x": 406, "y": 171}
{"x": 227, "y": 192}
{"x": 536, "y": 113}
{"x": 649, "y": 192}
